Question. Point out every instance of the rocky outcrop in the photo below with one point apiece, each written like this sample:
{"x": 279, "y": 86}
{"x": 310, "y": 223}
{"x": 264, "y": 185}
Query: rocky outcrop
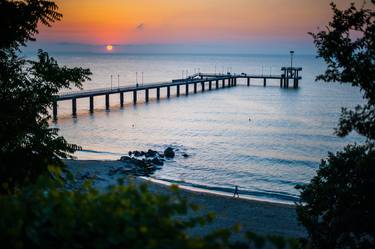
{"x": 139, "y": 167}
{"x": 143, "y": 163}
{"x": 140, "y": 163}
{"x": 169, "y": 152}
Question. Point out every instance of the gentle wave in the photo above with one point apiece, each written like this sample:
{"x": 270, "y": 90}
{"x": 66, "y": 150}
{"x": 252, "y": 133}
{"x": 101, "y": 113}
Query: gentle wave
{"x": 261, "y": 195}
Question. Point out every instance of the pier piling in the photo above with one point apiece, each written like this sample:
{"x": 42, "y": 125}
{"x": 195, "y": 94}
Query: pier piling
{"x": 121, "y": 99}
{"x": 134, "y": 97}
{"x": 74, "y": 107}
{"x": 54, "y": 110}
{"x": 295, "y": 83}
{"x": 91, "y": 104}
{"x": 107, "y": 102}
{"x": 146, "y": 95}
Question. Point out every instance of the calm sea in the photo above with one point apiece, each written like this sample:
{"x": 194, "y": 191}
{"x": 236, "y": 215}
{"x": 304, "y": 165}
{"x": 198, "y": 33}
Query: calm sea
{"x": 288, "y": 133}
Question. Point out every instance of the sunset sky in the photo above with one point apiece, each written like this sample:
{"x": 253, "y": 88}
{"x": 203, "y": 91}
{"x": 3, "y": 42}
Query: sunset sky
{"x": 234, "y": 22}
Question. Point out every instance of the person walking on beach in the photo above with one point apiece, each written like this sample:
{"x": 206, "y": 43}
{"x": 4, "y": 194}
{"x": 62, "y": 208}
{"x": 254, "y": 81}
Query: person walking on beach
{"x": 235, "y": 194}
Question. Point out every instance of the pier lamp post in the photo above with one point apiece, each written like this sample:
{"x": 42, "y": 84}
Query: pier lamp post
{"x": 111, "y": 80}
{"x": 118, "y": 81}
{"x": 291, "y": 58}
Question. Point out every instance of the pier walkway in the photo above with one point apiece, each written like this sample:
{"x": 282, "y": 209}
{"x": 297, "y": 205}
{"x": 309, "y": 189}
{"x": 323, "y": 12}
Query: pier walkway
{"x": 206, "y": 81}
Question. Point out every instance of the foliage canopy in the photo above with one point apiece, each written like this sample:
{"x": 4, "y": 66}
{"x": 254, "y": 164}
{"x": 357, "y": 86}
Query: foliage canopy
{"x": 27, "y": 89}
{"x": 48, "y": 215}
{"x": 337, "y": 206}
{"x": 348, "y": 48}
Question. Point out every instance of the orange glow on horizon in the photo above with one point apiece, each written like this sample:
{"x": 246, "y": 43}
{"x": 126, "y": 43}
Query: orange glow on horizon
{"x": 171, "y": 21}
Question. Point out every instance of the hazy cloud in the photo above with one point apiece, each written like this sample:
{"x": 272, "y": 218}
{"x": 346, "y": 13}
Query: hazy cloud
{"x": 140, "y": 27}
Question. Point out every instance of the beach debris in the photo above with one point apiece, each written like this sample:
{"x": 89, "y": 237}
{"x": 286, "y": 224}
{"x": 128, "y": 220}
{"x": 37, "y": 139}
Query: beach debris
{"x": 169, "y": 153}
{"x": 185, "y": 155}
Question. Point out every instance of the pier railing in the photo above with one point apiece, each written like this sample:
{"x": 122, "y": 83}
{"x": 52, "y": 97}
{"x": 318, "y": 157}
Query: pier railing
{"x": 213, "y": 80}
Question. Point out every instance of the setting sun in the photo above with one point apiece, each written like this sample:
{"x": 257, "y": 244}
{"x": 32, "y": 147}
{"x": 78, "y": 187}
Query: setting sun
{"x": 109, "y": 47}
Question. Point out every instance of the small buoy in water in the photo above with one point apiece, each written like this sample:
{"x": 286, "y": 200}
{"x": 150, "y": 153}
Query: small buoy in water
{"x": 133, "y": 125}
{"x": 249, "y": 119}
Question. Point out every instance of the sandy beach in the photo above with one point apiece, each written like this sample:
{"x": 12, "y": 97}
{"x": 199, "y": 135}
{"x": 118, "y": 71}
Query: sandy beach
{"x": 260, "y": 217}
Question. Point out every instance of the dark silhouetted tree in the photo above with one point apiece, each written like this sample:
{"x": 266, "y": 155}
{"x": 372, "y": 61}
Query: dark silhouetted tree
{"x": 27, "y": 88}
{"x": 348, "y": 48}
{"x": 49, "y": 215}
{"x": 337, "y": 206}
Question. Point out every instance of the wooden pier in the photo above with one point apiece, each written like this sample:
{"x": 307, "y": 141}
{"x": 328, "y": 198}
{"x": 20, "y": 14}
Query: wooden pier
{"x": 214, "y": 81}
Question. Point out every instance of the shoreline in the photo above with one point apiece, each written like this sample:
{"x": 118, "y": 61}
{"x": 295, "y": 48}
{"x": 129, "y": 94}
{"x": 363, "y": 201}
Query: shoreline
{"x": 199, "y": 187}
{"x": 267, "y": 218}
{"x": 195, "y": 189}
